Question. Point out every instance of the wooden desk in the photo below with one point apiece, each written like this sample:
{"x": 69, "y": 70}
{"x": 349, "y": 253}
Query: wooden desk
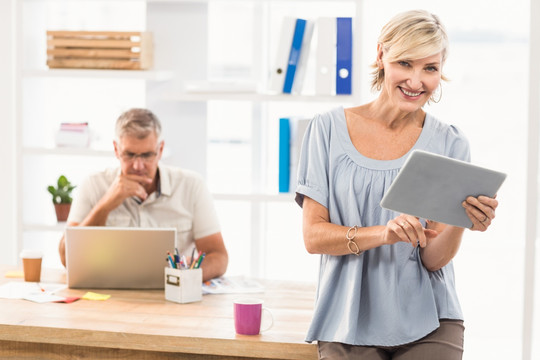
{"x": 143, "y": 325}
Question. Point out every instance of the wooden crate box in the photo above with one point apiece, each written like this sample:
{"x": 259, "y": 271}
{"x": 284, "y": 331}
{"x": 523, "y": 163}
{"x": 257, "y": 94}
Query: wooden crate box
{"x": 99, "y": 50}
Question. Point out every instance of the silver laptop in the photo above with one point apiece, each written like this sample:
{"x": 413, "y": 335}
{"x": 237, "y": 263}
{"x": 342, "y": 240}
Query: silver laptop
{"x": 433, "y": 186}
{"x": 117, "y": 258}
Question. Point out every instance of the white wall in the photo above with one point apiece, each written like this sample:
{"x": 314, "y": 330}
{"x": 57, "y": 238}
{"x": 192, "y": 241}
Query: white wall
{"x": 168, "y": 23}
{"x": 7, "y": 136}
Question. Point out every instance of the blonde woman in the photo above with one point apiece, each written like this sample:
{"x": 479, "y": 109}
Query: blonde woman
{"x": 386, "y": 283}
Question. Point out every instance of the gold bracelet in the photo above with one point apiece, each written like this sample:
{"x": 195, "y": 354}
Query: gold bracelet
{"x": 351, "y": 244}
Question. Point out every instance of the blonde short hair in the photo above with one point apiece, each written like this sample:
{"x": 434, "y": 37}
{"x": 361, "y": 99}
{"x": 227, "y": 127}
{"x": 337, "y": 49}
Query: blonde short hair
{"x": 410, "y": 35}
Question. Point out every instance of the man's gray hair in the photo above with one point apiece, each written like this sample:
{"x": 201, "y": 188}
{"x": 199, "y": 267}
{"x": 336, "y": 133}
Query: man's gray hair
{"x": 138, "y": 123}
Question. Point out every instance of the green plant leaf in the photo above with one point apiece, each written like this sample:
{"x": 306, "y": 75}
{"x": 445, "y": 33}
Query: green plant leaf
{"x": 62, "y": 193}
{"x": 62, "y": 181}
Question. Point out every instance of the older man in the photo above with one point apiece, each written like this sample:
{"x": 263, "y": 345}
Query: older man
{"x": 143, "y": 193}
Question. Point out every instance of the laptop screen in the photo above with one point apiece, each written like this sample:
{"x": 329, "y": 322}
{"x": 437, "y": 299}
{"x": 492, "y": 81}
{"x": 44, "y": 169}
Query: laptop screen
{"x": 117, "y": 258}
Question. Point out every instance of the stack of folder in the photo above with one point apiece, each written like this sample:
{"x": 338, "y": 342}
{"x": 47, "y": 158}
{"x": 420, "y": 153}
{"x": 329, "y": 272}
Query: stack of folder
{"x": 333, "y": 56}
{"x": 73, "y": 135}
{"x": 291, "y": 135}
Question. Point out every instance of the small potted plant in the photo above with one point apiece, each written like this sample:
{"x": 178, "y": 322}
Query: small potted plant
{"x": 61, "y": 197}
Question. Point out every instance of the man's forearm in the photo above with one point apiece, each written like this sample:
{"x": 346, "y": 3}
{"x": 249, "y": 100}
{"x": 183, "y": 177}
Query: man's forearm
{"x": 214, "y": 265}
{"x": 62, "y": 245}
{"x": 98, "y": 215}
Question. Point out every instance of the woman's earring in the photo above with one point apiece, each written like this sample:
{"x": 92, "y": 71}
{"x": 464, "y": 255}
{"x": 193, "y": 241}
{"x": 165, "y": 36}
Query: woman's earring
{"x": 437, "y": 92}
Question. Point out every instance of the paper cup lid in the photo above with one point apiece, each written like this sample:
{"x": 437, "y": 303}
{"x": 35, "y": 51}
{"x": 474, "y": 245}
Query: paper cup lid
{"x": 31, "y": 254}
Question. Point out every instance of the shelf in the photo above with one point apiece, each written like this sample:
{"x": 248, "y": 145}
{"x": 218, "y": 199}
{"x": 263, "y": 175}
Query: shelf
{"x": 257, "y": 97}
{"x": 285, "y": 197}
{"x": 207, "y": 1}
{"x": 67, "y": 151}
{"x": 149, "y": 75}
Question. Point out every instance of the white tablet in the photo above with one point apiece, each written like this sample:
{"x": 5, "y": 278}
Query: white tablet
{"x": 433, "y": 187}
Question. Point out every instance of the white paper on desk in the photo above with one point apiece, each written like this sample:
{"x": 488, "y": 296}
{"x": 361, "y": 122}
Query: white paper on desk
{"x": 42, "y": 297}
{"x": 232, "y": 285}
{"x": 20, "y": 290}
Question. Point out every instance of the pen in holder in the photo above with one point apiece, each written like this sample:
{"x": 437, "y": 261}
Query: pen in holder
{"x": 183, "y": 286}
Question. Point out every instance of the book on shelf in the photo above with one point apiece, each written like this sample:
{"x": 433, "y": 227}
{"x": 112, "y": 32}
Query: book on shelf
{"x": 279, "y": 67}
{"x": 333, "y": 56}
{"x": 294, "y": 55}
{"x": 284, "y": 155}
{"x": 291, "y": 135}
{"x": 73, "y": 135}
{"x": 301, "y": 67}
{"x": 325, "y": 60}
{"x": 288, "y": 70}
{"x": 298, "y": 130}
{"x": 344, "y": 56}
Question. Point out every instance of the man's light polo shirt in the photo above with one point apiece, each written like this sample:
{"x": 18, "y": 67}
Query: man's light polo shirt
{"x": 182, "y": 201}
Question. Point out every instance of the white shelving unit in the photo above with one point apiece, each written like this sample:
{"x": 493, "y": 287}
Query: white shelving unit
{"x": 148, "y": 75}
{"x": 257, "y": 97}
{"x": 181, "y": 30}
{"x": 68, "y": 151}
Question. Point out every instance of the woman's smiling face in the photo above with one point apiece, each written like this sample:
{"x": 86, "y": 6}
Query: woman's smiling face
{"x": 410, "y": 83}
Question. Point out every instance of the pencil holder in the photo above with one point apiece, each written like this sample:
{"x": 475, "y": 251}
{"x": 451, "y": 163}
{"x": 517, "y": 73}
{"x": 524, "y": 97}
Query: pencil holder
{"x": 183, "y": 286}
